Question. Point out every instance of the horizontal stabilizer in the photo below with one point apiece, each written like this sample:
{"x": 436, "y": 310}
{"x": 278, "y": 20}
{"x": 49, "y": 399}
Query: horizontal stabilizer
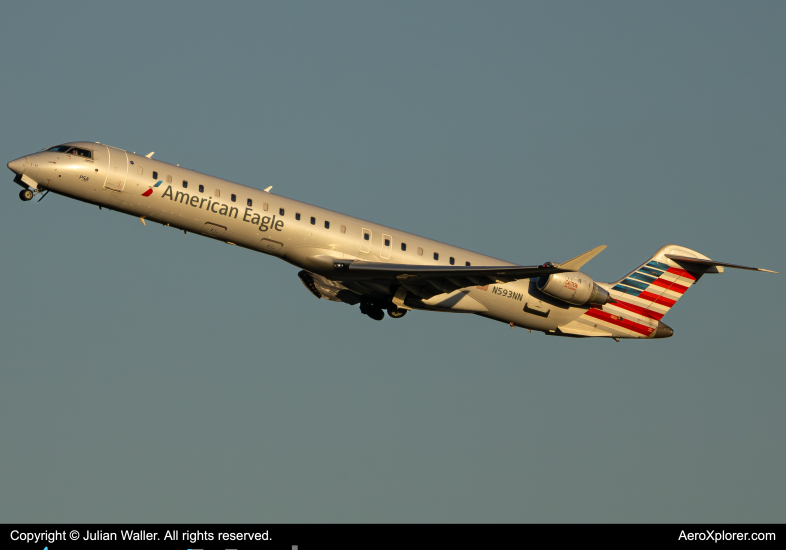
{"x": 576, "y": 263}
{"x": 711, "y": 263}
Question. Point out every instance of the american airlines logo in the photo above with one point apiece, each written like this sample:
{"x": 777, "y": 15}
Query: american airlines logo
{"x": 150, "y": 190}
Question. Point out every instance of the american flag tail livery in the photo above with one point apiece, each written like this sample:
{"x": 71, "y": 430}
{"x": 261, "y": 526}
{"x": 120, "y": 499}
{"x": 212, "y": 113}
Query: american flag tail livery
{"x": 645, "y": 295}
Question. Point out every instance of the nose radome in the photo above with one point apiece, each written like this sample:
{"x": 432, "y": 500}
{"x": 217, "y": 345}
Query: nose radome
{"x": 18, "y": 166}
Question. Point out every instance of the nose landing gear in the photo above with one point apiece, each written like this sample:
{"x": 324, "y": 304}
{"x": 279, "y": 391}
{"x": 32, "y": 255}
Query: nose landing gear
{"x": 28, "y": 194}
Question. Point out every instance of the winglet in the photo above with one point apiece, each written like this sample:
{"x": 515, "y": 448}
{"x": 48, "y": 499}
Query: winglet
{"x": 576, "y": 263}
{"x": 150, "y": 154}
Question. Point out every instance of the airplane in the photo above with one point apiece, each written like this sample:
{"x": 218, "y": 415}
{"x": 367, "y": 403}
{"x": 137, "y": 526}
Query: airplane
{"x": 355, "y": 261}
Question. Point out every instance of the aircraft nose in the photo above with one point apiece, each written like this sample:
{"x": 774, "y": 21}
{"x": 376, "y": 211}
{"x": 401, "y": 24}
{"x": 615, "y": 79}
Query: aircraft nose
{"x": 18, "y": 166}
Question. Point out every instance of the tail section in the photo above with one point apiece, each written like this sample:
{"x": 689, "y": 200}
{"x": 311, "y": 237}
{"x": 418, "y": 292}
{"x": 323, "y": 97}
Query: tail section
{"x": 641, "y": 299}
{"x": 655, "y": 286}
{"x": 646, "y": 294}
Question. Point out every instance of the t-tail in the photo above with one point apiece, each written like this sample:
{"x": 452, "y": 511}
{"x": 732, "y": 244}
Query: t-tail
{"x": 644, "y": 296}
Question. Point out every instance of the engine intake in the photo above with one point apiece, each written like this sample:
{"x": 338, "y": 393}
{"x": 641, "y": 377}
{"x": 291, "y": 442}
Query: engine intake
{"x": 574, "y": 287}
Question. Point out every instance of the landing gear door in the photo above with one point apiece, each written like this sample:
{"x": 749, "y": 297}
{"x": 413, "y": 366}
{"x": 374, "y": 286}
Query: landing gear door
{"x": 117, "y": 169}
{"x": 271, "y": 247}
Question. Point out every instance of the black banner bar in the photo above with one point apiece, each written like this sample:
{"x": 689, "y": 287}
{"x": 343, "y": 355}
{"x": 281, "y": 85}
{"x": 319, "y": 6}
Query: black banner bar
{"x": 313, "y": 536}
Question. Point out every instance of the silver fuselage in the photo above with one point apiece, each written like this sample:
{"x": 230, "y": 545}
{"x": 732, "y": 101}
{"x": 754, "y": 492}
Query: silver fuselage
{"x": 265, "y": 222}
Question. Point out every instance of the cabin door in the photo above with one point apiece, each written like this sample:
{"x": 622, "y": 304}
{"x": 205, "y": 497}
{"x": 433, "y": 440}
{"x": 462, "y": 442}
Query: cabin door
{"x": 117, "y": 169}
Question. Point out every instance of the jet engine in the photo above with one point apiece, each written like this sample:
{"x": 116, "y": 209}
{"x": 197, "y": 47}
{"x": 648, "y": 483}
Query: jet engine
{"x": 575, "y": 288}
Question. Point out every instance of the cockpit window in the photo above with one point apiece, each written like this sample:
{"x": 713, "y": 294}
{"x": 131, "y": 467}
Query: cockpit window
{"x": 72, "y": 151}
{"x": 82, "y": 152}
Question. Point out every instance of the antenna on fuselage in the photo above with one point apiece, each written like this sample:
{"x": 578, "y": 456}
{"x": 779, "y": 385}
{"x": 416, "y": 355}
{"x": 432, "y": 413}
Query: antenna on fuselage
{"x": 150, "y": 154}
{"x": 267, "y": 189}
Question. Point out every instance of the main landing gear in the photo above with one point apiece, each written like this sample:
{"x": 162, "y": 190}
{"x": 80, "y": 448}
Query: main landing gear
{"x": 374, "y": 310}
{"x": 396, "y": 312}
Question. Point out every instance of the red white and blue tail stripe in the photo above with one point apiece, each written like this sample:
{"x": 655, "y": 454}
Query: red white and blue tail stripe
{"x": 645, "y": 295}
{"x": 653, "y": 289}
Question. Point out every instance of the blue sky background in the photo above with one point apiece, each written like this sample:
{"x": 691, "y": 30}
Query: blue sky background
{"x": 150, "y": 376}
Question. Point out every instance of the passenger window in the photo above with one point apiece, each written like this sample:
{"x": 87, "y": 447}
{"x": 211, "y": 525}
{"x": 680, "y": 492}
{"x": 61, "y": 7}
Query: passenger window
{"x": 387, "y": 242}
{"x": 327, "y": 224}
{"x": 467, "y": 264}
{"x": 404, "y": 246}
{"x": 185, "y": 184}
{"x": 436, "y": 255}
{"x": 264, "y": 205}
{"x": 201, "y": 188}
{"x": 139, "y": 170}
{"x": 248, "y": 202}
{"x": 366, "y": 236}
{"x": 313, "y": 220}
{"x": 420, "y": 251}
{"x": 343, "y": 229}
{"x": 452, "y": 260}
{"x": 155, "y": 175}
{"x": 297, "y": 215}
{"x": 281, "y": 211}
{"x": 169, "y": 179}
{"x": 218, "y": 192}
{"x": 233, "y": 197}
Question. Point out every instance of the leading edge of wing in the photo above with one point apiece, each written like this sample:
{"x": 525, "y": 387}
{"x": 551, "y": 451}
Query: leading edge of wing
{"x": 378, "y": 270}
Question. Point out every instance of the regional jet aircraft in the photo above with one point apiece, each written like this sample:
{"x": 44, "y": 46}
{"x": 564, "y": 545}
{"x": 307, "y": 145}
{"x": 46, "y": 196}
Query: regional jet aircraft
{"x": 354, "y": 261}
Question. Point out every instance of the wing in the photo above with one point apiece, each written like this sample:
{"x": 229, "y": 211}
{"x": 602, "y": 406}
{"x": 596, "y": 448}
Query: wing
{"x": 428, "y": 281}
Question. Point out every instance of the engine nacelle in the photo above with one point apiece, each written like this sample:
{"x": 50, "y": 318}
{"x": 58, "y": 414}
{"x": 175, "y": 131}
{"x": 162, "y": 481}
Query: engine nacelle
{"x": 574, "y": 287}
